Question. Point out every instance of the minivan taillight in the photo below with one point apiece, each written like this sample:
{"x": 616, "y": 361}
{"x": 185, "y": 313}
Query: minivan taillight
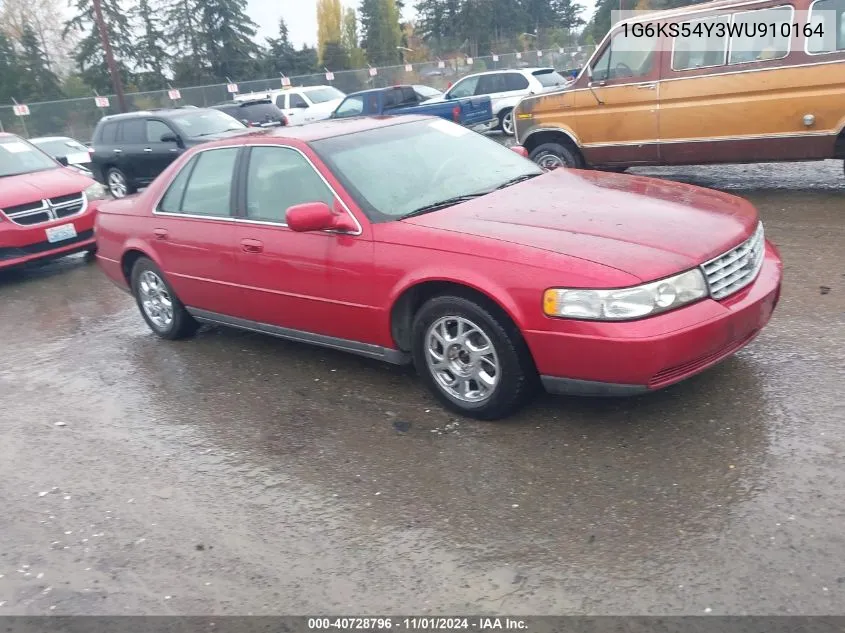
{"x": 456, "y": 114}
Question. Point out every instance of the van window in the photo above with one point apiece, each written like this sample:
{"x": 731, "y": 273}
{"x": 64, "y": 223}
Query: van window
{"x": 830, "y": 15}
{"x": 703, "y": 47}
{"x": 760, "y": 35}
{"x": 627, "y": 57}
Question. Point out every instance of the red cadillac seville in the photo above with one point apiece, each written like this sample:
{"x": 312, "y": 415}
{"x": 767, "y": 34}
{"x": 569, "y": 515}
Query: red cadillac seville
{"x": 46, "y": 209}
{"x": 414, "y": 240}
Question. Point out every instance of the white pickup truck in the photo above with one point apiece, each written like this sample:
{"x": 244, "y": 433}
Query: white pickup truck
{"x": 302, "y": 104}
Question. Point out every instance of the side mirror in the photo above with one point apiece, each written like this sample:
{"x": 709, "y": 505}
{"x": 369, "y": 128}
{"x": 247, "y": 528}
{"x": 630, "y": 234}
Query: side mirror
{"x": 519, "y": 149}
{"x": 62, "y": 160}
{"x": 170, "y": 137}
{"x": 317, "y": 216}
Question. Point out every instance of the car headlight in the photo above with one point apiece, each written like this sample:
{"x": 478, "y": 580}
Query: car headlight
{"x": 96, "y": 191}
{"x": 623, "y": 304}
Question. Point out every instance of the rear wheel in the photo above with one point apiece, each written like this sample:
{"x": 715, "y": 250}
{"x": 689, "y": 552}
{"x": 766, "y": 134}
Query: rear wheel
{"x": 159, "y": 305}
{"x": 553, "y": 155}
{"x": 473, "y": 360}
{"x": 118, "y": 184}
{"x": 506, "y": 121}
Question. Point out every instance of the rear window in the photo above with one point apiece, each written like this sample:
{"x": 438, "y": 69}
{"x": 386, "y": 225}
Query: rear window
{"x": 133, "y": 131}
{"x": 260, "y": 112}
{"x": 549, "y": 77}
{"x": 827, "y": 20}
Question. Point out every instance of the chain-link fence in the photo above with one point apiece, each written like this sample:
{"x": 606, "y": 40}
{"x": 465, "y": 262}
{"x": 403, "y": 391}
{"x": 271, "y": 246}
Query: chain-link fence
{"x": 78, "y": 117}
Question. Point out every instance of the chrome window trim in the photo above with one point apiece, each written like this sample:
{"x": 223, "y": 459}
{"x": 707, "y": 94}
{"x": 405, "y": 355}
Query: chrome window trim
{"x": 807, "y": 39}
{"x": 790, "y": 21}
{"x": 724, "y": 57}
{"x": 231, "y": 218}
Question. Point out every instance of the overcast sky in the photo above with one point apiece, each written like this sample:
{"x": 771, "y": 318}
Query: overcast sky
{"x": 301, "y": 17}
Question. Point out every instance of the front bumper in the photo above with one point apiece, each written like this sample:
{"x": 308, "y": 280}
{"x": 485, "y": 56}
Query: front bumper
{"x": 628, "y": 358}
{"x": 21, "y": 244}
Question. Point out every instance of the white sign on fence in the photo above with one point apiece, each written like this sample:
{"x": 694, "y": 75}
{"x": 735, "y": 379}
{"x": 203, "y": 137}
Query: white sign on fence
{"x": 409, "y": 68}
{"x": 495, "y": 58}
{"x": 373, "y": 72}
{"x": 441, "y": 64}
{"x": 539, "y": 53}
{"x": 519, "y": 55}
{"x": 330, "y": 76}
{"x": 233, "y": 88}
{"x": 101, "y": 102}
{"x": 21, "y": 109}
{"x": 175, "y": 95}
{"x": 285, "y": 82}
{"x": 469, "y": 61}
{"x": 560, "y": 50}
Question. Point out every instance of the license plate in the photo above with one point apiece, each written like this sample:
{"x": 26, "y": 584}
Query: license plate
{"x": 60, "y": 233}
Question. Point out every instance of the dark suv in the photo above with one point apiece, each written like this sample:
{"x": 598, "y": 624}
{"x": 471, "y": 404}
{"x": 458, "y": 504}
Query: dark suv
{"x": 257, "y": 113}
{"x": 131, "y": 149}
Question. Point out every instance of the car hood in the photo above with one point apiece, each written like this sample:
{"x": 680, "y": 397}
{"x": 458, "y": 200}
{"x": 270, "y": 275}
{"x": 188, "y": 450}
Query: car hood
{"x": 647, "y": 227}
{"x": 50, "y": 183}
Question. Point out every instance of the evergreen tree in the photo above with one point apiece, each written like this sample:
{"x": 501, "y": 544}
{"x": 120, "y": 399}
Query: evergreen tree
{"x": 89, "y": 56}
{"x": 351, "y": 40}
{"x": 282, "y": 58}
{"x": 381, "y": 32}
{"x": 150, "y": 46}
{"x": 183, "y": 34}
{"x": 11, "y": 71}
{"x": 38, "y": 83}
{"x": 227, "y": 39}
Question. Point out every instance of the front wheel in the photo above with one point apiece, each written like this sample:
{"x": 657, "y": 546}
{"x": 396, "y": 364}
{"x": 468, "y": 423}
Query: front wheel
{"x": 506, "y": 121}
{"x": 553, "y": 155}
{"x": 159, "y": 305}
{"x": 474, "y": 361}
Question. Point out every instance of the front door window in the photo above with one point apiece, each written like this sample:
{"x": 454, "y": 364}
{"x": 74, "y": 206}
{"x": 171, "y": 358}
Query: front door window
{"x": 626, "y": 58}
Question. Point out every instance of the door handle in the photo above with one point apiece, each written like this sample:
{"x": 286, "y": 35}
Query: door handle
{"x": 118, "y": 151}
{"x": 161, "y": 234}
{"x": 647, "y": 86}
{"x": 148, "y": 149}
{"x": 251, "y": 246}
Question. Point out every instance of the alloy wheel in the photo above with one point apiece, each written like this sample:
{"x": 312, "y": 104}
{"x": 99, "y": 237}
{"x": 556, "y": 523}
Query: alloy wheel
{"x": 117, "y": 184}
{"x": 507, "y": 123}
{"x": 462, "y": 359}
{"x": 155, "y": 299}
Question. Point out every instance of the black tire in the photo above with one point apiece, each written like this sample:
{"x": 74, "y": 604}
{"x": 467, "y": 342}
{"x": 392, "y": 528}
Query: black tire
{"x": 114, "y": 172}
{"x": 502, "y": 116}
{"x": 517, "y": 379}
{"x": 182, "y": 324}
{"x": 91, "y": 254}
{"x": 615, "y": 170}
{"x": 567, "y": 156}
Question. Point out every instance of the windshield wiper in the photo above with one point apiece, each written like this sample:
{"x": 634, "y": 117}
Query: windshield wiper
{"x": 448, "y": 202}
{"x": 513, "y": 181}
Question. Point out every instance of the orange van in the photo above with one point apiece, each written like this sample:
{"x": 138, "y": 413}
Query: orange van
{"x": 704, "y": 88}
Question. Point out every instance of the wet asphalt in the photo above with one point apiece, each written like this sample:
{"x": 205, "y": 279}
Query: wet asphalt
{"x": 236, "y": 473}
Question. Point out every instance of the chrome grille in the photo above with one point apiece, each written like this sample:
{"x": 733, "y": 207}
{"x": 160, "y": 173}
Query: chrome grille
{"x": 47, "y": 210}
{"x": 734, "y": 270}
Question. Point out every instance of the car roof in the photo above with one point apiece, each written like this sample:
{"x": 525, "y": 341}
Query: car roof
{"x": 159, "y": 112}
{"x": 530, "y": 69}
{"x": 52, "y": 138}
{"x": 327, "y": 128}
{"x": 373, "y": 90}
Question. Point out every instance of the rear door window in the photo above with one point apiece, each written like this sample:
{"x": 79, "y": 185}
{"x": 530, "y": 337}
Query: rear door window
{"x": 490, "y": 84}
{"x": 296, "y": 101}
{"x": 702, "y": 46}
{"x": 132, "y": 132}
{"x": 210, "y": 184}
{"x": 109, "y": 133}
{"x": 760, "y": 35}
{"x": 827, "y": 21}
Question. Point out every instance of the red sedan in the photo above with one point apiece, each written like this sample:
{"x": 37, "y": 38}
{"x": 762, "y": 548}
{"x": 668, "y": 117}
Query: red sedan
{"x": 415, "y": 240}
{"x": 46, "y": 209}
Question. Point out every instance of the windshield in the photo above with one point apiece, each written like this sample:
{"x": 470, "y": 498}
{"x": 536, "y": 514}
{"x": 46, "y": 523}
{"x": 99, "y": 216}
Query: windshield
{"x": 321, "y": 95}
{"x": 60, "y": 146}
{"x": 206, "y": 123}
{"x": 19, "y": 157}
{"x": 395, "y": 170}
{"x": 549, "y": 78}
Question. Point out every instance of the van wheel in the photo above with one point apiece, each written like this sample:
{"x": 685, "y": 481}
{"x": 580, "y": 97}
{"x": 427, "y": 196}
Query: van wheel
{"x": 553, "y": 155}
{"x": 159, "y": 305}
{"x": 473, "y": 360}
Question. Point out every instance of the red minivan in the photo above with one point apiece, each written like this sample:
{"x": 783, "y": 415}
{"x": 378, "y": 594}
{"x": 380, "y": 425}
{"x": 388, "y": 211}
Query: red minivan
{"x": 46, "y": 209}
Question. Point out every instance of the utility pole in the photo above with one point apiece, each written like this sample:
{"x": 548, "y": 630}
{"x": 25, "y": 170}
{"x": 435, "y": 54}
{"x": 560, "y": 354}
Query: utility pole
{"x": 104, "y": 38}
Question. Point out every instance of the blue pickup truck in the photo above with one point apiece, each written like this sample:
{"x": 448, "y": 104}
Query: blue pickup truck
{"x": 395, "y": 100}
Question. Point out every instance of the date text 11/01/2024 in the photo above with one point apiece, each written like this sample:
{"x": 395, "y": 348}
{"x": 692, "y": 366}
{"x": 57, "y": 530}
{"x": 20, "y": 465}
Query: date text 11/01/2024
{"x": 722, "y": 29}
{"x": 418, "y": 624}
